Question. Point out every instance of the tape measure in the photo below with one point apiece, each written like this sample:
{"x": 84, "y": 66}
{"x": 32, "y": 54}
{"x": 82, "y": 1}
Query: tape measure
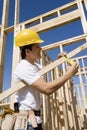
{"x": 71, "y": 62}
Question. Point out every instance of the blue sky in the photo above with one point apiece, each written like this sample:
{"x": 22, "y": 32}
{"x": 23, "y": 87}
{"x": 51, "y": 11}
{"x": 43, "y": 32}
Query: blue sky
{"x": 30, "y": 9}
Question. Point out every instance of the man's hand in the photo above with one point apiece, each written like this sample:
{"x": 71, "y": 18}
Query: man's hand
{"x": 73, "y": 70}
{"x": 62, "y": 54}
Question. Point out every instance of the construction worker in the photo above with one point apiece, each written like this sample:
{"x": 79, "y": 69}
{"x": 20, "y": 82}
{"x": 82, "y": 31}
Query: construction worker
{"x": 27, "y": 70}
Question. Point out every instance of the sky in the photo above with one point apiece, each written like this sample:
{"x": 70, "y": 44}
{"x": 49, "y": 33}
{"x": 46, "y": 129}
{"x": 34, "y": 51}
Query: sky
{"x": 30, "y": 9}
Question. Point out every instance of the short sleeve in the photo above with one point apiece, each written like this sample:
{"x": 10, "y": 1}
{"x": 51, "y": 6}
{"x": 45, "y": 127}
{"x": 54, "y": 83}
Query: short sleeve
{"x": 30, "y": 75}
{"x": 27, "y": 72}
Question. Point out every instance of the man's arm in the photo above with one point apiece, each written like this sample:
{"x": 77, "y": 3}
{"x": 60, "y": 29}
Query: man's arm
{"x": 50, "y": 87}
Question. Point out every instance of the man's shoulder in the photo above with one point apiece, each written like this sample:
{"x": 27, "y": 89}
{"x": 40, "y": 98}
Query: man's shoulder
{"x": 20, "y": 65}
{"x": 23, "y": 63}
{"x": 23, "y": 66}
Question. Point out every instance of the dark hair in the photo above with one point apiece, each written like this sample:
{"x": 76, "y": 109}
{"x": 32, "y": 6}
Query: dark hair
{"x": 23, "y": 48}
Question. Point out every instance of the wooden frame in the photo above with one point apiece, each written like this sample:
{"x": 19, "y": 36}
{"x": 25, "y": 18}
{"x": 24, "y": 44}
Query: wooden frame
{"x": 65, "y": 113}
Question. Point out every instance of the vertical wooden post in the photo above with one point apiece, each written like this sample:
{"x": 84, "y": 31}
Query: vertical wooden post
{"x": 85, "y": 1}
{"x": 3, "y": 40}
{"x": 16, "y": 53}
{"x": 65, "y": 97}
{"x": 83, "y": 18}
{"x": 60, "y": 117}
{"x": 84, "y": 25}
{"x": 44, "y": 98}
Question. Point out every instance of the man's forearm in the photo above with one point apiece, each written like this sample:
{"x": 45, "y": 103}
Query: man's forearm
{"x": 56, "y": 84}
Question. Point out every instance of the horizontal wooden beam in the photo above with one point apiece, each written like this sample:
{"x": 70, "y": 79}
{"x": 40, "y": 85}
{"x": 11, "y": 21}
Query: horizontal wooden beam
{"x": 62, "y": 8}
{"x": 65, "y": 42}
{"x": 11, "y": 90}
{"x": 80, "y": 57}
{"x": 67, "y": 17}
{"x": 9, "y": 29}
{"x": 51, "y": 23}
{"x": 62, "y": 20}
{"x": 4, "y": 105}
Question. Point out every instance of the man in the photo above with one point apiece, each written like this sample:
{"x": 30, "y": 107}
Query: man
{"x": 27, "y": 71}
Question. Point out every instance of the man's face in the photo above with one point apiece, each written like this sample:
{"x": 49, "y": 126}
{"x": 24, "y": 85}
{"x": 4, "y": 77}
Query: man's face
{"x": 36, "y": 51}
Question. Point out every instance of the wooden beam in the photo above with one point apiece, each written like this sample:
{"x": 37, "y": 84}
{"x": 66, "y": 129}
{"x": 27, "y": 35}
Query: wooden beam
{"x": 58, "y": 21}
{"x": 9, "y": 29}
{"x": 17, "y": 11}
{"x": 85, "y": 1}
{"x": 3, "y": 40}
{"x": 65, "y": 7}
{"x": 62, "y": 20}
{"x": 43, "y": 71}
{"x": 16, "y": 54}
{"x": 11, "y": 91}
{"x": 61, "y": 60}
{"x": 4, "y": 105}
{"x": 62, "y": 8}
{"x": 0, "y": 27}
{"x": 81, "y": 57}
{"x": 65, "y": 42}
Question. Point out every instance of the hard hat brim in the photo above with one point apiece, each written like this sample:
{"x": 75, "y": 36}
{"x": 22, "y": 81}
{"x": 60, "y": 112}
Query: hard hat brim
{"x": 23, "y": 44}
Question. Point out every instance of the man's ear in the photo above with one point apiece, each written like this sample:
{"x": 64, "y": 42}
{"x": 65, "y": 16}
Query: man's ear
{"x": 27, "y": 51}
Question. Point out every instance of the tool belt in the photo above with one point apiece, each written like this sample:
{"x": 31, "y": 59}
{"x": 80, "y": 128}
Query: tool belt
{"x": 10, "y": 120}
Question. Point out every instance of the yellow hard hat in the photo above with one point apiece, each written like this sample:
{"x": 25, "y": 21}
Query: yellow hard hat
{"x": 26, "y": 37}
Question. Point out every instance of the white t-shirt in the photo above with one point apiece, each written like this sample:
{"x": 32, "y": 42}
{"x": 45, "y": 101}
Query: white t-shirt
{"x": 28, "y": 97}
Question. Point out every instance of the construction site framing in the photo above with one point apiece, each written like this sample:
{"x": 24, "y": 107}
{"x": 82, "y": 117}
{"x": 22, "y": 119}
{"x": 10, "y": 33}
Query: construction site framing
{"x": 66, "y": 109}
